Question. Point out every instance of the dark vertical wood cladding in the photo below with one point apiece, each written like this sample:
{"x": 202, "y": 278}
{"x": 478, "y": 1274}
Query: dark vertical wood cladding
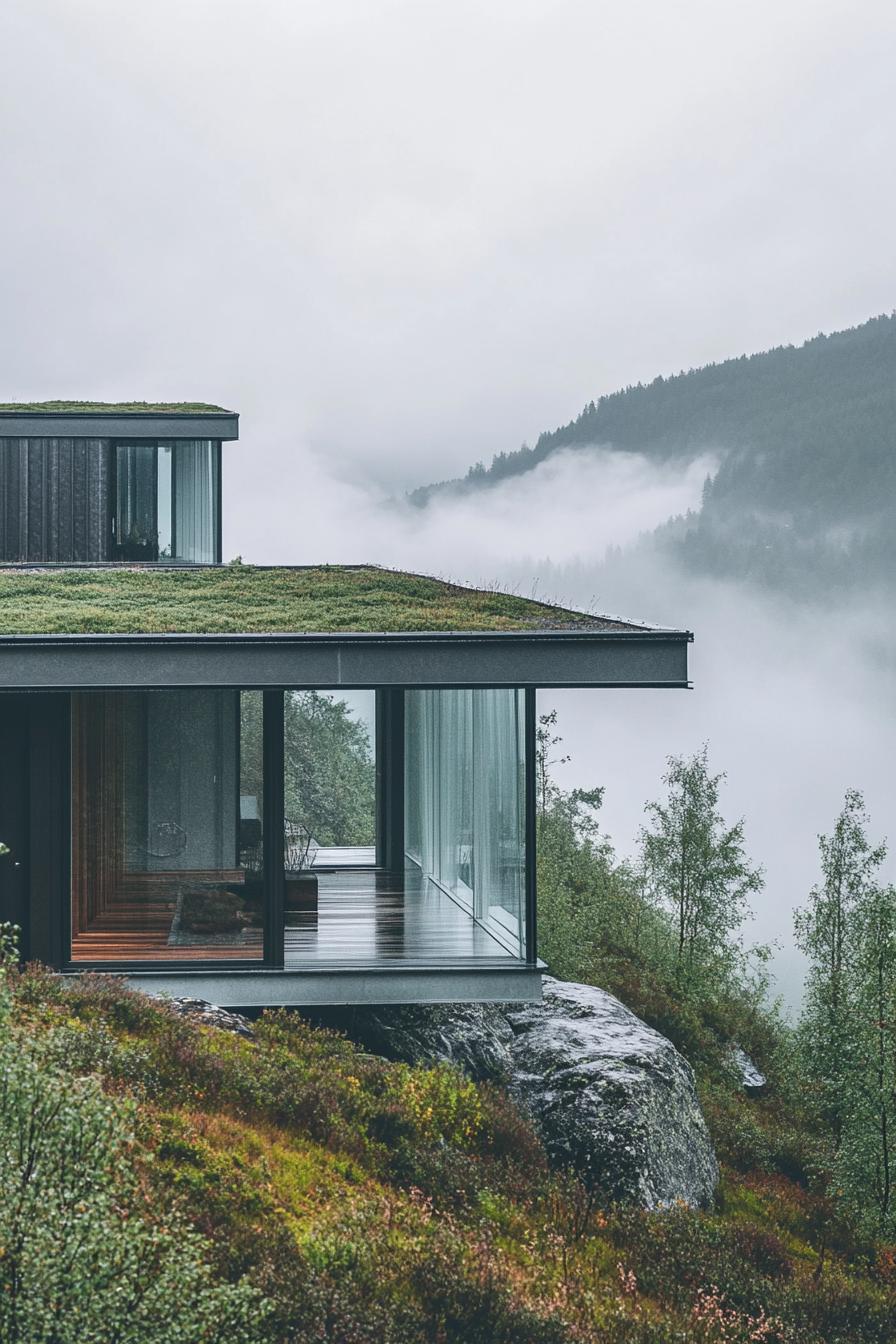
{"x": 54, "y": 499}
{"x": 14, "y": 814}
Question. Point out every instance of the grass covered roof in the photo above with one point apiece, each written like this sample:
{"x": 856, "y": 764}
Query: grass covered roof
{"x": 232, "y": 599}
{"x": 112, "y": 407}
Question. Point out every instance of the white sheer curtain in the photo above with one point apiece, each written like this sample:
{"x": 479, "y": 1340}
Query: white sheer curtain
{"x": 499, "y": 825}
{"x": 464, "y": 801}
{"x": 195, "y": 501}
{"x": 453, "y": 787}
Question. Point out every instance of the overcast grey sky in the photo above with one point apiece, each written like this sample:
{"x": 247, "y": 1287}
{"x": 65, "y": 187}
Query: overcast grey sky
{"x": 407, "y": 235}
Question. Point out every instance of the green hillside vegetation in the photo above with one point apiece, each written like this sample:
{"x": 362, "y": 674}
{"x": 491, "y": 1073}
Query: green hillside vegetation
{"x": 302, "y": 1191}
{"x": 241, "y": 598}
{"x": 293, "y": 1189}
{"x": 806, "y": 439}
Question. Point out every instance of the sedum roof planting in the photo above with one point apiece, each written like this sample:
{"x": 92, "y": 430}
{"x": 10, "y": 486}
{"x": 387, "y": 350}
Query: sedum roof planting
{"x": 233, "y": 599}
{"x": 113, "y": 407}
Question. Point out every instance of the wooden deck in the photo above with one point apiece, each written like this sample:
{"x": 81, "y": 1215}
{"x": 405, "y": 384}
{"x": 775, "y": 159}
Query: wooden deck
{"x": 362, "y": 917}
{"x": 376, "y": 917}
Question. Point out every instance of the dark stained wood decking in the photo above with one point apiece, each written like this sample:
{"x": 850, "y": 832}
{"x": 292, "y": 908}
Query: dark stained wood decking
{"x": 375, "y": 917}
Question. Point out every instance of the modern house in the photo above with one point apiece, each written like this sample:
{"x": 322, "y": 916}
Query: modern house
{"x": 253, "y": 785}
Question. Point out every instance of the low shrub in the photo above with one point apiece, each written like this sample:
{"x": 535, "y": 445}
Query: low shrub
{"x": 364, "y": 1200}
{"x": 82, "y": 1256}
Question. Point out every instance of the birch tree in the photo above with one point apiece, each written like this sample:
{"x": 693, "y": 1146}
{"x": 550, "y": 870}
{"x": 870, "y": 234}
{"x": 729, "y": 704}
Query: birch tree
{"x": 866, "y": 1164}
{"x": 696, "y": 866}
{"x": 827, "y": 931}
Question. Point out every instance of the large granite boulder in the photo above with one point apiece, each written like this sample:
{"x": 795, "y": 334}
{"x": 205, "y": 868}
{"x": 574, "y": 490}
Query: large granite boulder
{"x": 611, "y": 1097}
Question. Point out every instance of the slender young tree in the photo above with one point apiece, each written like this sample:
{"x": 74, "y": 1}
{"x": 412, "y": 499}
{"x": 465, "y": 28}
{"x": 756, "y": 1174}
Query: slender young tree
{"x": 827, "y": 931}
{"x": 696, "y": 866}
{"x": 867, "y": 1162}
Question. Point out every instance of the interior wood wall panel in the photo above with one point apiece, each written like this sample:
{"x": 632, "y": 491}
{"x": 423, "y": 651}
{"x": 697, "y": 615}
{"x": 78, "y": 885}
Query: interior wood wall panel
{"x": 54, "y": 499}
{"x": 97, "y": 805}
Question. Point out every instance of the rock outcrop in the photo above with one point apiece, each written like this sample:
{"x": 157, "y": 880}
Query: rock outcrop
{"x": 610, "y": 1096}
{"x": 210, "y": 1015}
{"x": 748, "y": 1075}
{"x": 476, "y": 1037}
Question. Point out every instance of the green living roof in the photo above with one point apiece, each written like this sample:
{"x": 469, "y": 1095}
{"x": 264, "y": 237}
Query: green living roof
{"x": 113, "y": 407}
{"x": 232, "y": 599}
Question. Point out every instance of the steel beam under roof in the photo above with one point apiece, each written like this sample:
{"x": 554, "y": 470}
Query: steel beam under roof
{"x": 555, "y": 658}
{"x": 119, "y": 425}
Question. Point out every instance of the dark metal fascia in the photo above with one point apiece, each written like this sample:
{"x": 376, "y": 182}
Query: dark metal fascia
{"x": 119, "y": 424}
{"x": 331, "y": 637}
{"x": 341, "y": 660}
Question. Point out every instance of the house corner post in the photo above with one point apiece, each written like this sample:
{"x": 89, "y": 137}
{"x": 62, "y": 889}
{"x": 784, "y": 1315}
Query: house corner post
{"x": 531, "y": 814}
{"x": 272, "y": 830}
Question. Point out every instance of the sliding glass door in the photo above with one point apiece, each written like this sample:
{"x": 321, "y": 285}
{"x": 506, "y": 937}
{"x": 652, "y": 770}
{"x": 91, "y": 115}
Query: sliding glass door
{"x": 465, "y": 768}
{"x": 135, "y": 523}
{"x": 197, "y": 813}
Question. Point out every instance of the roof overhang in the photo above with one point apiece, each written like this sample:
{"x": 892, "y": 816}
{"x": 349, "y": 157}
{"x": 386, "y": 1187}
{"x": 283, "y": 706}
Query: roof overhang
{"x": 549, "y": 658}
{"x": 119, "y": 425}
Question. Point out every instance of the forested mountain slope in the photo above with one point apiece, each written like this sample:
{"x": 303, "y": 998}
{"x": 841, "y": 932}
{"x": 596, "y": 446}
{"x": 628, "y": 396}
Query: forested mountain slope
{"x": 806, "y": 441}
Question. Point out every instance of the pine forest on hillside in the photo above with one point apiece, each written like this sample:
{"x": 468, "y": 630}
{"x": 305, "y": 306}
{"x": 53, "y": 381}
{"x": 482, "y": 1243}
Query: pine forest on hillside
{"x": 803, "y": 497}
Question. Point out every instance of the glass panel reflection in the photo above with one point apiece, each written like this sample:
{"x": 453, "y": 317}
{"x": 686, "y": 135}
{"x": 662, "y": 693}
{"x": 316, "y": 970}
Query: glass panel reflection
{"x": 166, "y": 826}
{"x": 136, "y": 527}
{"x": 329, "y": 778}
{"x": 166, "y": 501}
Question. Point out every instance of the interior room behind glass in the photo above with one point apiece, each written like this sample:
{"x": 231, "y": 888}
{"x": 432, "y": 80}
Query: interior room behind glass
{"x": 166, "y": 501}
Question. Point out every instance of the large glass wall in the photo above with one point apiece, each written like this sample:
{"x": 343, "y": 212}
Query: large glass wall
{"x": 166, "y": 501}
{"x": 465, "y": 802}
{"x": 167, "y": 811}
{"x": 173, "y": 812}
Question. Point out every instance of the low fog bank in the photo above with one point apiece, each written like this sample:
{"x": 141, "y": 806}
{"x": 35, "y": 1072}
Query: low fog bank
{"x": 572, "y": 507}
{"x": 795, "y": 702}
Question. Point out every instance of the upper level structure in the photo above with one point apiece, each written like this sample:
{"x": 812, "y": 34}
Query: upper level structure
{"x": 93, "y": 482}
